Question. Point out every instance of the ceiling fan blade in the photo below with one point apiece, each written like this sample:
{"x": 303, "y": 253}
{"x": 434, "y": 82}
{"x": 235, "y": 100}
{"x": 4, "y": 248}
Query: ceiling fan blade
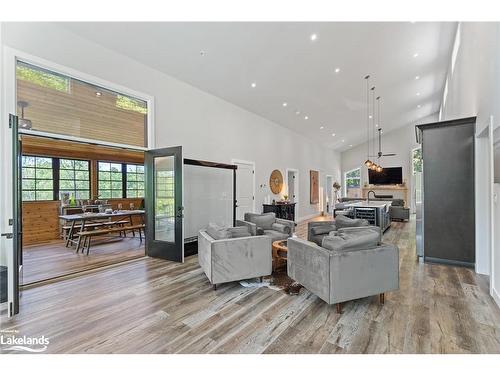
{"x": 389, "y": 154}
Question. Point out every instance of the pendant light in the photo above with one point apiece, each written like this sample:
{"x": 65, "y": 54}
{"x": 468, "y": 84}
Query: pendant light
{"x": 374, "y": 166}
{"x": 379, "y": 168}
{"x": 368, "y": 162}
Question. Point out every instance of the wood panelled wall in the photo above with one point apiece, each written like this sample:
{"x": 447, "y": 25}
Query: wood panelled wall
{"x": 40, "y": 218}
{"x": 79, "y": 112}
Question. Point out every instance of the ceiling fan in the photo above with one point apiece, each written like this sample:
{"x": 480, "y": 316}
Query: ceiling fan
{"x": 380, "y": 153}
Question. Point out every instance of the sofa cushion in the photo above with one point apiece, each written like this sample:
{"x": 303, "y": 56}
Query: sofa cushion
{"x": 352, "y": 241}
{"x": 280, "y": 228}
{"x": 217, "y": 232}
{"x": 275, "y": 235}
{"x": 238, "y": 232}
{"x": 264, "y": 221}
{"x": 342, "y": 221}
{"x": 323, "y": 229}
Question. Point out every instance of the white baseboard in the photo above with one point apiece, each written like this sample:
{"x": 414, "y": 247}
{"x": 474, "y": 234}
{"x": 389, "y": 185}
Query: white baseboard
{"x": 307, "y": 217}
{"x": 496, "y": 296}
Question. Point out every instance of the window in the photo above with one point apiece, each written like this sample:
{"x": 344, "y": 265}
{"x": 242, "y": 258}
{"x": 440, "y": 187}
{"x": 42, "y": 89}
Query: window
{"x": 416, "y": 160}
{"x": 59, "y": 104}
{"x": 135, "y": 181}
{"x": 352, "y": 180}
{"x": 110, "y": 180}
{"x": 37, "y": 178}
{"x": 74, "y": 178}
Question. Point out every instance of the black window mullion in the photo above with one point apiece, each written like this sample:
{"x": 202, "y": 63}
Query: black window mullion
{"x": 124, "y": 180}
{"x": 55, "y": 177}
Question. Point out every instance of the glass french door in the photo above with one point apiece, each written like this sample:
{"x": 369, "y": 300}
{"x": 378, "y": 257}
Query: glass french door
{"x": 163, "y": 202}
{"x": 11, "y": 236}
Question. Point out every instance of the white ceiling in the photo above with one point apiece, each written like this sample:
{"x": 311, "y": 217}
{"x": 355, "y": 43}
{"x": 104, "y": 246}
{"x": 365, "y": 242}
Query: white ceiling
{"x": 288, "y": 67}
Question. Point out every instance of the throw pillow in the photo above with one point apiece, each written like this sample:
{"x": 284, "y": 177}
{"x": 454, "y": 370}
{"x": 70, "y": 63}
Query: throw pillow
{"x": 281, "y": 228}
{"x": 264, "y": 221}
{"x": 238, "y": 232}
{"x": 342, "y": 221}
{"x": 323, "y": 229}
{"x": 217, "y": 232}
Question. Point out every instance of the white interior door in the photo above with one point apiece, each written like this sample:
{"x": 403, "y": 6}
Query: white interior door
{"x": 245, "y": 188}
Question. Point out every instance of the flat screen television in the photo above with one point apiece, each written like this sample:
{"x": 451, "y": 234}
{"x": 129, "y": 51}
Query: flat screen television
{"x": 388, "y": 176}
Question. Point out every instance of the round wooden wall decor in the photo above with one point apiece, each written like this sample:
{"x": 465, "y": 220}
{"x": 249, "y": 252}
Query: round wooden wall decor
{"x": 276, "y": 181}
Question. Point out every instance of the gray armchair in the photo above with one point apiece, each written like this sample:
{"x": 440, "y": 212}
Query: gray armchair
{"x": 233, "y": 254}
{"x": 350, "y": 265}
{"x": 267, "y": 224}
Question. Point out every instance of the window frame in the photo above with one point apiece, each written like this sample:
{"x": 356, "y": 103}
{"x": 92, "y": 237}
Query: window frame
{"x": 89, "y": 170}
{"x": 35, "y": 179}
{"x": 98, "y": 192}
{"x": 345, "y": 178}
{"x": 125, "y": 180}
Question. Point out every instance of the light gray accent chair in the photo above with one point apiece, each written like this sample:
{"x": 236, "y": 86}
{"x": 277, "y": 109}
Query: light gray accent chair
{"x": 267, "y": 224}
{"x": 233, "y": 254}
{"x": 317, "y": 230}
{"x": 352, "y": 264}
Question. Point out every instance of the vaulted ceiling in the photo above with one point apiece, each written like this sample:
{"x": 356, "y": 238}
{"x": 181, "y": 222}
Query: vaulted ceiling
{"x": 317, "y": 69}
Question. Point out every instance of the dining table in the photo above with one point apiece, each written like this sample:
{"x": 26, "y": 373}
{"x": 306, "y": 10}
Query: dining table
{"x": 78, "y": 221}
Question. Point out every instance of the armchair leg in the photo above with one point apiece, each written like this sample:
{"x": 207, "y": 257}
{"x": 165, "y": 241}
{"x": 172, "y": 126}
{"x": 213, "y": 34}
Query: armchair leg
{"x": 261, "y": 278}
{"x": 381, "y": 298}
{"x": 339, "y": 308}
{"x": 215, "y": 286}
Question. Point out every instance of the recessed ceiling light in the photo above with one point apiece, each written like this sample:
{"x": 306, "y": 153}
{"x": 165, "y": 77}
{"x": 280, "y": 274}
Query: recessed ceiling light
{"x": 333, "y": 134}
{"x": 321, "y": 127}
{"x": 415, "y": 54}
{"x": 418, "y": 106}
{"x": 370, "y": 116}
{"x": 350, "y": 145}
{"x": 376, "y": 125}
{"x": 98, "y": 93}
{"x": 417, "y": 77}
{"x": 254, "y": 85}
{"x": 285, "y": 104}
{"x": 418, "y": 94}
{"x": 297, "y": 113}
{"x": 343, "y": 140}
{"x": 202, "y": 53}
{"x": 314, "y": 37}
{"x": 337, "y": 70}
{"x": 306, "y": 117}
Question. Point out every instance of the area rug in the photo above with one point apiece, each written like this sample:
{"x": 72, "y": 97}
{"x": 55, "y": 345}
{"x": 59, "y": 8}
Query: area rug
{"x": 279, "y": 280}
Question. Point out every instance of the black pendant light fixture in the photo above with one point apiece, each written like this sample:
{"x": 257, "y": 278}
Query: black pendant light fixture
{"x": 374, "y": 166}
{"x": 368, "y": 162}
{"x": 379, "y": 167}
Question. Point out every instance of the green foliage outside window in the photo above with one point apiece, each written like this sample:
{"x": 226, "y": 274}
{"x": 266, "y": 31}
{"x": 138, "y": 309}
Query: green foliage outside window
{"x": 41, "y": 77}
{"x": 417, "y": 160}
{"x": 131, "y": 104}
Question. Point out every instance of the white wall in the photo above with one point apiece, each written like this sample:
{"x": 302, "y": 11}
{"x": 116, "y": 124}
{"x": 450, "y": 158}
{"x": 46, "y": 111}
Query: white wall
{"x": 206, "y": 126}
{"x": 474, "y": 90}
{"x": 399, "y": 141}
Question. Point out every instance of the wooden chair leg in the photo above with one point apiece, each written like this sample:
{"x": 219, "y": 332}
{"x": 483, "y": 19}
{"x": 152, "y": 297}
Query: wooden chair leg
{"x": 140, "y": 235}
{"x": 381, "y": 297}
{"x": 88, "y": 246}
{"x": 339, "y": 308}
{"x": 78, "y": 244}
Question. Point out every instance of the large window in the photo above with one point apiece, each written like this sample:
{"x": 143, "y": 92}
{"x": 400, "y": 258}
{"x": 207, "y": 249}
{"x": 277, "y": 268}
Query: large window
{"x": 57, "y": 103}
{"x": 110, "y": 180}
{"x": 37, "y": 178}
{"x": 135, "y": 181}
{"x": 352, "y": 180}
{"x": 74, "y": 178}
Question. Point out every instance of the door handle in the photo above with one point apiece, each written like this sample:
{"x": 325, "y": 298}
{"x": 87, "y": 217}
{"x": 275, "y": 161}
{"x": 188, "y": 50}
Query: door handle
{"x": 7, "y": 235}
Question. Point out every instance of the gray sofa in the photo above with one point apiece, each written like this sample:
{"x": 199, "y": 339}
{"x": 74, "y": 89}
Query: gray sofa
{"x": 267, "y": 224}
{"x": 232, "y": 254}
{"x": 317, "y": 230}
{"x": 352, "y": 264}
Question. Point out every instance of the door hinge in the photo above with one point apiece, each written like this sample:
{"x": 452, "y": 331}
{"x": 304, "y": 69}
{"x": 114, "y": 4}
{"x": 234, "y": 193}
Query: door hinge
{"x": 253, "y": 171}
{"x": 11, "y": 222}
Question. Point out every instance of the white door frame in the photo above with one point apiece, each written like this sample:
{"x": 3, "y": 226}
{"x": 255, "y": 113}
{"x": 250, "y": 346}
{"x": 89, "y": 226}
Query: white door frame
{"x": 252, "y": 163}
{"x": 326, "y": 192}
{"x": 10, "y": 58}
{"x": 295, "y": 190}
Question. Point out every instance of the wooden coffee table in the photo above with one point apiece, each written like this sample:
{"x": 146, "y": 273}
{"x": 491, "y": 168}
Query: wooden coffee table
{"x": 280, "y": 253}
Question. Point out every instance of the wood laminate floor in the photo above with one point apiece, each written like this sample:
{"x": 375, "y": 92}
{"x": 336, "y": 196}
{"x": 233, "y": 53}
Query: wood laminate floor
{"x": 54, "y": 259}
{"x": 155, "y": 306}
